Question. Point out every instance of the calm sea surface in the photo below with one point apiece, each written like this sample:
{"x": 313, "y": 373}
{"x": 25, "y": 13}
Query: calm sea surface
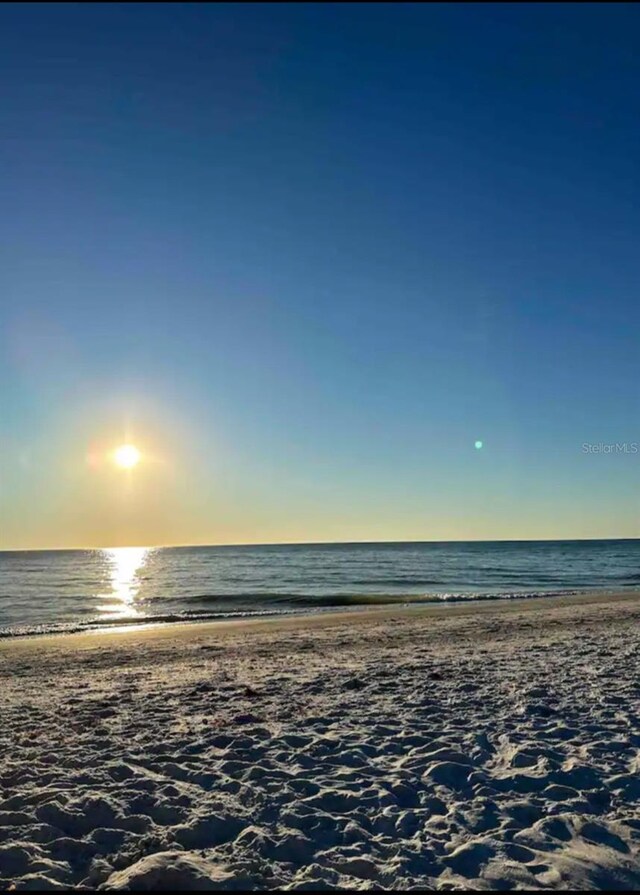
{"x": 76, "y": 589}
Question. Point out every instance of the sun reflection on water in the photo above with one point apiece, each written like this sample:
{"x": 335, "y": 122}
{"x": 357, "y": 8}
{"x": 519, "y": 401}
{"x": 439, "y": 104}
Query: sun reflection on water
{"x": 124, "y": 567}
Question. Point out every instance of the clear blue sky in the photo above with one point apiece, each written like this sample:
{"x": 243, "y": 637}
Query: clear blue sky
{"x": 305, "y": 256}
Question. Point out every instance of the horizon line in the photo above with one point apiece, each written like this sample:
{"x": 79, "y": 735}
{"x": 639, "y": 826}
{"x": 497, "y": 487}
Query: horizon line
{"x": 311, "y": 544}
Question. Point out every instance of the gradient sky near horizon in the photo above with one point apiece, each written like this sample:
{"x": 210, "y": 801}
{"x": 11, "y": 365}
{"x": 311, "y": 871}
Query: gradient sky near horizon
{"x": 305, "y": 257}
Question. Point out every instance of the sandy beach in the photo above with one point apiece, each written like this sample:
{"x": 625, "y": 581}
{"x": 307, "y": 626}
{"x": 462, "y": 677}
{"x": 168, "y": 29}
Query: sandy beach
{"x": 493, "y": 746}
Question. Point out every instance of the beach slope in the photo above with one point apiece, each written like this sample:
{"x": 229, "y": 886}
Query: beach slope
{"x": 491, "y": 747}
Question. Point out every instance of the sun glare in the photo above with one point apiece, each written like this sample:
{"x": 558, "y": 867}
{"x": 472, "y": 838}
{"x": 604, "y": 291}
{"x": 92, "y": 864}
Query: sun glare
{"x": 126, "y": 456}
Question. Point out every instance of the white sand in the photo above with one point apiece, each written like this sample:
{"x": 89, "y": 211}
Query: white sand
{"x": 495, "y": 747}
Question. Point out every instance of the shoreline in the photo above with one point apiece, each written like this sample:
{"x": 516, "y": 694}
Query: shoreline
{"x": 186, "y": 628}
{"x": 486, "y": 746}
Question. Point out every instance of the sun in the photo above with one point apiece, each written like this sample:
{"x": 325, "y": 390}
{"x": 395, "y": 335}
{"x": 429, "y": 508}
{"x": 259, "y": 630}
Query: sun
{"x": 126, "y": 456}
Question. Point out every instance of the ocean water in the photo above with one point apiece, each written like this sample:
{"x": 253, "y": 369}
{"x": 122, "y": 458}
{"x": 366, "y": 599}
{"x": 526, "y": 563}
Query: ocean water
{"x": 49, "y": 590}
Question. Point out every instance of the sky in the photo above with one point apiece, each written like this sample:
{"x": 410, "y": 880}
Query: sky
{"x": 304, "y": 257}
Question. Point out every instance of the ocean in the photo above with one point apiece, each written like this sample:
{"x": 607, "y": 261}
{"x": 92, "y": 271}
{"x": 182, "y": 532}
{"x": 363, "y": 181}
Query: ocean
{"x": 44, "y": 591}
